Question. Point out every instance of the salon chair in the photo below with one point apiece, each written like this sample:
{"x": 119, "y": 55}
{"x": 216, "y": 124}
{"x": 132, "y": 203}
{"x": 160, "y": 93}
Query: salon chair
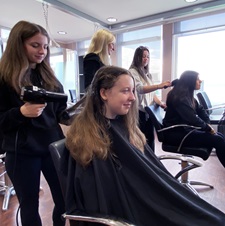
{"x": 181, "y": 153}
{"x": 60, "y": 156}
{"x": 206, "y": 103}
{"x": 6, "y": 187}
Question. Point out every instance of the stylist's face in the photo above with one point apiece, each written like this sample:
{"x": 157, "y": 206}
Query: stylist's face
{"x": 198, "y": 84}
{"x": 111, "y": 48}
{"x": 36, "y": 49}
{"x": 145, "y": 58}
{"x": 119, "y": 98}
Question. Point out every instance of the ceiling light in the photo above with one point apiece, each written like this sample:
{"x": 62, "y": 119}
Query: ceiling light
{"x": 62, "y": 32}
{"x": 190, "y": 1}
{"x": 111, "y": 19}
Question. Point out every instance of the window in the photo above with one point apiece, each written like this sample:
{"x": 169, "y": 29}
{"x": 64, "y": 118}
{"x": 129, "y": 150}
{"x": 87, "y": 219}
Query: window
{"x": 64, "y": 65}
{"x": 202, "y": 50}
{"x": 57, "y": 66}
{"x": 4, "y": 34}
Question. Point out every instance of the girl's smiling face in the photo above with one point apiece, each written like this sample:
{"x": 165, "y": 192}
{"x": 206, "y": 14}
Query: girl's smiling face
{"x": 119, "y": 98}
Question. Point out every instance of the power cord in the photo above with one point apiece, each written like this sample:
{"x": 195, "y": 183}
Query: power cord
{"x": 14, "y": 169}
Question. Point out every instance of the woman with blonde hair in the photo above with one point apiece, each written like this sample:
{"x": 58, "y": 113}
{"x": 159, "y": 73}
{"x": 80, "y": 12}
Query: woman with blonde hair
{"x": 98, "y": 54}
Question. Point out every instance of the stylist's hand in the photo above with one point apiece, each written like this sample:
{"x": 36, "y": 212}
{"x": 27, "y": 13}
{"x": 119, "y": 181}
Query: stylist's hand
{"x": 164, "y": 85}
{"x": 32, "y": 110}
{"x": 163, "y": 105}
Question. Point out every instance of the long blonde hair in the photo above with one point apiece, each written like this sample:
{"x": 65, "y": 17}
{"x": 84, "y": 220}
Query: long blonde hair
{"x": 88, "y": 135}
{"x": 14, "y": 64}
{"x": 99, "y": 44}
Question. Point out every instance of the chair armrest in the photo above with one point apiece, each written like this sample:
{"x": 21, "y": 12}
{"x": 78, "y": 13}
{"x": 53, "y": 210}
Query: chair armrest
{"x": 183, "y": 158}
{"x": 103, "y": 220}
{"x": 179, "y": 125}
{"x": 216, "y": 107}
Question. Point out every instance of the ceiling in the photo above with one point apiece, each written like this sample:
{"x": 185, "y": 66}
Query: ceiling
{"x": 80, "y": 18}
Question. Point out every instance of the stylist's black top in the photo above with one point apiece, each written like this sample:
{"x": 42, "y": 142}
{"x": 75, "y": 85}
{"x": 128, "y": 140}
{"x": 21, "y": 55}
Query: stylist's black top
{"x": 30, "y": 136}
{"x": 91, "y": 64}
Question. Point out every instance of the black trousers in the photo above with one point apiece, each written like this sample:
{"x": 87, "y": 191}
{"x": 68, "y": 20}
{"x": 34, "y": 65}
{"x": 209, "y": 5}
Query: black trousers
{"x": 24, "y": 172}
{"x": 199, "y": 139}
{"x": 147, "y": 128}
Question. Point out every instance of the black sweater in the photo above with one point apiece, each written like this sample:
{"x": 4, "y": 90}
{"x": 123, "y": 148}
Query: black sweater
{"x": 28, "y": 135}
{"x": 91, "y": 64}
{"x": 183, "y": 113}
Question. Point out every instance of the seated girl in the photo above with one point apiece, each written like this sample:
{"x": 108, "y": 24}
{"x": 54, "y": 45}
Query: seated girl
{"x": 113, "y": 171}
{"x": 183, "y": 108}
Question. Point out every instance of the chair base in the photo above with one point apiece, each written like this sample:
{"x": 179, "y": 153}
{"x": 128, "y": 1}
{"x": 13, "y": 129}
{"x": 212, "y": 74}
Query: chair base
{"x": 189, "y": 185}
{"x": 97, "y": 219}
{"x": 8, "y": 190}
{"x": 187, "y": 163}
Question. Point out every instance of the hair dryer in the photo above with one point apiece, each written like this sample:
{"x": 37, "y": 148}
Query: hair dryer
{"x": 39, "y": 95}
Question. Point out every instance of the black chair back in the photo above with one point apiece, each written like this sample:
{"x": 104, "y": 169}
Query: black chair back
{"x": 204, "y": 101}
{"x": 60, "y": 156}
{"x": 156, "y": 115}
{"x": 73, "y": 95}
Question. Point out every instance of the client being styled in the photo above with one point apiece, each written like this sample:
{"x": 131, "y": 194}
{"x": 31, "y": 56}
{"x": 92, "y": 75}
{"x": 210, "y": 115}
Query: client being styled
{"x": 113, "y": 171}
{"x": 183, "y": 108}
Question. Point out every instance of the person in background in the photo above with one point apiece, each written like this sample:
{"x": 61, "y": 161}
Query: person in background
{"x": 98, "y": 54}
{"x": 112, "y": 171}
{"x": 183, "y": 108}
{"x": 28, "y": 128}
{"x": 145, "y": 89}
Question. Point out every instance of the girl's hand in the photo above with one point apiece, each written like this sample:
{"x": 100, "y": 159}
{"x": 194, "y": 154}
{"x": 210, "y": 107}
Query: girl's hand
{"x": 212, "y": 131}
{"x": 32, "y": 110}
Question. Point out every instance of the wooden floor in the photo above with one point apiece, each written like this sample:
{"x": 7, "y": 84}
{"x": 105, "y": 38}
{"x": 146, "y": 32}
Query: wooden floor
{"x": 211, "y": 172}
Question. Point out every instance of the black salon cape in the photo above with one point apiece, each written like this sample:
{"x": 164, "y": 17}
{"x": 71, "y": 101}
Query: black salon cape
{"x": 136, "y": 188}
